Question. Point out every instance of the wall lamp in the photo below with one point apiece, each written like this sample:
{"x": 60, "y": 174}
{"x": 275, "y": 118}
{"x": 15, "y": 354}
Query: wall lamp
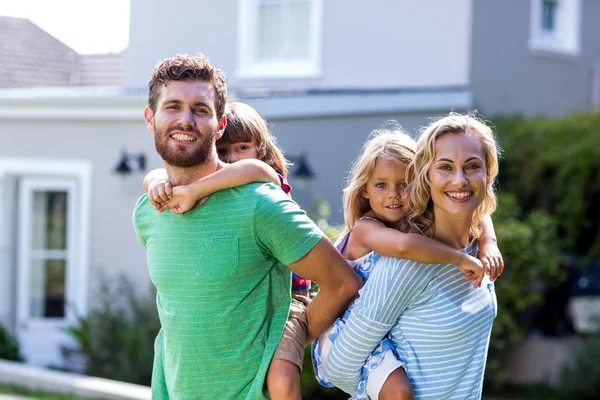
{"x": 123, "y": 168}
{"x": 301, "y": 170}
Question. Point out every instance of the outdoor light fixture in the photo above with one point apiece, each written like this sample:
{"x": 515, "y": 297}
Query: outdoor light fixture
{"x": 123, "y": 168}
{"x": 301, "y": 170}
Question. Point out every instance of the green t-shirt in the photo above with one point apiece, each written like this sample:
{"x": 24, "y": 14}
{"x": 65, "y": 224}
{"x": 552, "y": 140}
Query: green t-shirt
{"x": 223, "y": 291}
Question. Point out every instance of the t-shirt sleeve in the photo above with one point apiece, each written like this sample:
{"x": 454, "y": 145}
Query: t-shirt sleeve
{"x": 281, "y": 228}
{"x": 136, "y": 218}
{"x": 392, "y": 287}
{"x": 285, "y": 186}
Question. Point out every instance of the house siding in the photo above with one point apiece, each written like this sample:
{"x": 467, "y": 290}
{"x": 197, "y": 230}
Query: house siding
{"x": 508, "y": 77}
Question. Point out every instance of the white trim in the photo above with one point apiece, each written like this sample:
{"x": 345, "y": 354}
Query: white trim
{"x": 301, "y": 105}
{"x": 27, "y": 185}
{"x": 566, "y": 39}
{"x": 81, "y": 171}
{"x": 249, "y": 67}
{"x": 324, "y": 105}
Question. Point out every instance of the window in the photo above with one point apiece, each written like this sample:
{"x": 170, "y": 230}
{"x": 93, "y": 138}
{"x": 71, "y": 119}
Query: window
{"x": 555, "y": 26}
{"x": 279, "y": 38}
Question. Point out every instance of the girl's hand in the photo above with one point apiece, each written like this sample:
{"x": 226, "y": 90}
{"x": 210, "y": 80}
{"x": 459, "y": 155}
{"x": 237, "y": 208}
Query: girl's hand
{"x": 490, "y": 256}
{"x": 472, "y": 268}
{"x": 159, "y": 192}
{"x": 182, "y": 200}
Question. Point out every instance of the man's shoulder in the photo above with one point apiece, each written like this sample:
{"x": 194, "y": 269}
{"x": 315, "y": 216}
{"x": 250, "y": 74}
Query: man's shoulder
{"x": 142, "y": 205}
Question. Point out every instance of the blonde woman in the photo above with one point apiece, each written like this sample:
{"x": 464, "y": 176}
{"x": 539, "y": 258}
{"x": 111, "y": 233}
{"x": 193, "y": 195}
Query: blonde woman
{"x": 375, "y": 206}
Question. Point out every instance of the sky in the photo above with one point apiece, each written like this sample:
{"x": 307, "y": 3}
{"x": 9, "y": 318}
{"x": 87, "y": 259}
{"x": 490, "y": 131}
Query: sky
{"x": 87, "y": 26}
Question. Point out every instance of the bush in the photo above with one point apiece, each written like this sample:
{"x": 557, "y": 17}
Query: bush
{"x": 117, "y": 336}
{"x": 554, "y": 165}
{"x": 581, "y": 379}
{"x": 529, "y": 246}
{"x": 9, "y": 346}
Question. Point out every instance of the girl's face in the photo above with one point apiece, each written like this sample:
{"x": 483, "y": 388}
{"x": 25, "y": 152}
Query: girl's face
{"x": 386, "y": 191}
{"x": 231, "y": 153}
{"x": 458, "y": 175}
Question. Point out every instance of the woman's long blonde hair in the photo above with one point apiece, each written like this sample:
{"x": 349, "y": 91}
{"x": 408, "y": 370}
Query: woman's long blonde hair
{"x": 420, "y": 218}
{"x": 244, "y": 124}
{"x": 389, "y": 142}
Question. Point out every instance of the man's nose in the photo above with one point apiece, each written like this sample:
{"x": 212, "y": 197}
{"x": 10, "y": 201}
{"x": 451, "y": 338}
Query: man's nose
{"x": 187, "y": 118}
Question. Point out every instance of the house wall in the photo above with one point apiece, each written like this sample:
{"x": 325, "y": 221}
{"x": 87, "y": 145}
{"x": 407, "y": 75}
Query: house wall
{"x": 114, "y": 247}
{"x": 363, "y": 44}
{"x": 508, "y": 77}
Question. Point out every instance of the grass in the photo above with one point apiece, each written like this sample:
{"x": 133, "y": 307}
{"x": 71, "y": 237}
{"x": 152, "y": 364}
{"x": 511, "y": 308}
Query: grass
{"x": 36, "y": 394}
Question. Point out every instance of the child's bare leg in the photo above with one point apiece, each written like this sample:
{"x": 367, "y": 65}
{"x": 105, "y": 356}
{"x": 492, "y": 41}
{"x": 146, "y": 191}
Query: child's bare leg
{"x": 396, "y": 387}
{"x": 283, "y": 380}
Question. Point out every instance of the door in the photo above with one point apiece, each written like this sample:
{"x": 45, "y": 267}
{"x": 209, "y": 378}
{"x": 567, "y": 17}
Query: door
{"x": 46, "y": 300}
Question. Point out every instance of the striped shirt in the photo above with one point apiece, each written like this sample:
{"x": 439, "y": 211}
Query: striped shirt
{"x": 438, "y": 323}
{"x": 223, "y": 294}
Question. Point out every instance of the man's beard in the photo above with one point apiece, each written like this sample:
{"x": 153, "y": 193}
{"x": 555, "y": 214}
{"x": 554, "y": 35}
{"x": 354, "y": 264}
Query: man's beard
{"x": 182, "y": 159}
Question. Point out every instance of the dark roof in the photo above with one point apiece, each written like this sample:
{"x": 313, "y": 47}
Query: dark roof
{"x": 30, "y": 56}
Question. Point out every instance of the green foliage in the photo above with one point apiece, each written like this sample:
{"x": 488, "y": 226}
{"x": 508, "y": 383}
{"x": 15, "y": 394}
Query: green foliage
{"x": 554, "y": 165}
{"x": 529, "y": 246}
{"x": 9, "y": 347}
{"x": 117, "y": 336}
{"x": 581, "y": 380}
{"x": 311, "y": 388}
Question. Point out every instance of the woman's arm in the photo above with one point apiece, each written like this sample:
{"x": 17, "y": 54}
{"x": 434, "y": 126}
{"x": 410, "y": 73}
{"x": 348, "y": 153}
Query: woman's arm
{"x": 239, "y": 173}
{"x": 393, "y": 243}
{"x": 393, "y": 286}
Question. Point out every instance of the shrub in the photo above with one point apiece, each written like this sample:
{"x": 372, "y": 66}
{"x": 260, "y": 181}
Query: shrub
{"x": 9, "y": 346}
{"x": 581, "y": 379}
{"x": 117, "y": 336}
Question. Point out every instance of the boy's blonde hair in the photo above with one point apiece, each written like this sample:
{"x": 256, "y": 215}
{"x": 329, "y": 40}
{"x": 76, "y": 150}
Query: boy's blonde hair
{"x": 244, "y": 124}
{"x": 390, "y": 143}
{"x": 420, "y": 218}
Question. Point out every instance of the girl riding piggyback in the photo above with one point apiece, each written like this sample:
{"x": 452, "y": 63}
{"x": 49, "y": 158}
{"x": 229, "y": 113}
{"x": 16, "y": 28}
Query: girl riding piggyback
{"x": 253, "y": 155}
{"x": 375, "y": 203}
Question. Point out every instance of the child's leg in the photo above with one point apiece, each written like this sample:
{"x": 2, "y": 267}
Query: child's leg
{"x": 396, "y": 387}
{"x": 283, "y": 380}
{"x": 283, "y": 377}
{"x": 388, "y": 381}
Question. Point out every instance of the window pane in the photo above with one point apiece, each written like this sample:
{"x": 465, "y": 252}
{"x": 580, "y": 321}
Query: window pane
{"x": 269, "y": 32}
{"x": 283, "y": 30}
{"x": 549, "y": 15}
{"x": 297, "y": 31}
{"x": 49, "y": 219}
{"x": 47, "y": 288}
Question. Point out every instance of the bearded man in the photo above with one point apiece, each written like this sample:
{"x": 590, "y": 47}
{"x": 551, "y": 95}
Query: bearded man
{"x": 223, "y": 293}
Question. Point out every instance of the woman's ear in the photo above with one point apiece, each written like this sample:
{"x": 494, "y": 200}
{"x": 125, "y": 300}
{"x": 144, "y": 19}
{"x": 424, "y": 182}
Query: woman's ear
{"x": 365, "y": 194}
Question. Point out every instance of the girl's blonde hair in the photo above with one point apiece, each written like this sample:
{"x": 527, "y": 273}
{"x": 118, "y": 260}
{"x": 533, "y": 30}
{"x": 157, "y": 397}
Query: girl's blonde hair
{"x": 244, "y": 124}
{"x": 420, "y": 218}
{"x": 390, "y": 143}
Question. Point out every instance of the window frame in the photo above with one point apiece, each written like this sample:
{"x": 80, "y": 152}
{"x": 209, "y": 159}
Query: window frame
{"x": 248, "y": 64}
{"x": 565, "y": 38}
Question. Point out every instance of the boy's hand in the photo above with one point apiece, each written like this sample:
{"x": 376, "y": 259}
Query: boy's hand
{"x": 472, "y": 268}
{"x": 182, "y": 200}
{"x": 490, "y": 256}
{"x": 159, "y": 192}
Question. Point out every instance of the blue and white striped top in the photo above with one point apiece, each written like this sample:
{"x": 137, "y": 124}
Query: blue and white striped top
{"x": 439, "y": 326}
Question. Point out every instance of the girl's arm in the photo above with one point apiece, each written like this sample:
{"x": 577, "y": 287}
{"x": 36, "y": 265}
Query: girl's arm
{"x": 489, "y": 253}
{"x": 156, "y": 183}
{"x": 185, "y": 197}
{"x": 393, "y": 243}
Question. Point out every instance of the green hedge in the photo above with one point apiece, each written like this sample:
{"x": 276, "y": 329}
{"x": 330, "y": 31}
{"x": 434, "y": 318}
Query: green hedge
{"x": 554, "y": 165}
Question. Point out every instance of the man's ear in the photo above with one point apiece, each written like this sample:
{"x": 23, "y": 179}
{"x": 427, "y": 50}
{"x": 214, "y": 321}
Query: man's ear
{"x": 221, "y": 126}
{"x": 149, "y": 119}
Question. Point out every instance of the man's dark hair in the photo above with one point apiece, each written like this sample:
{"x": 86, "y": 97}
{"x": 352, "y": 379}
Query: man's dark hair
{"x": 184, "y": 67}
